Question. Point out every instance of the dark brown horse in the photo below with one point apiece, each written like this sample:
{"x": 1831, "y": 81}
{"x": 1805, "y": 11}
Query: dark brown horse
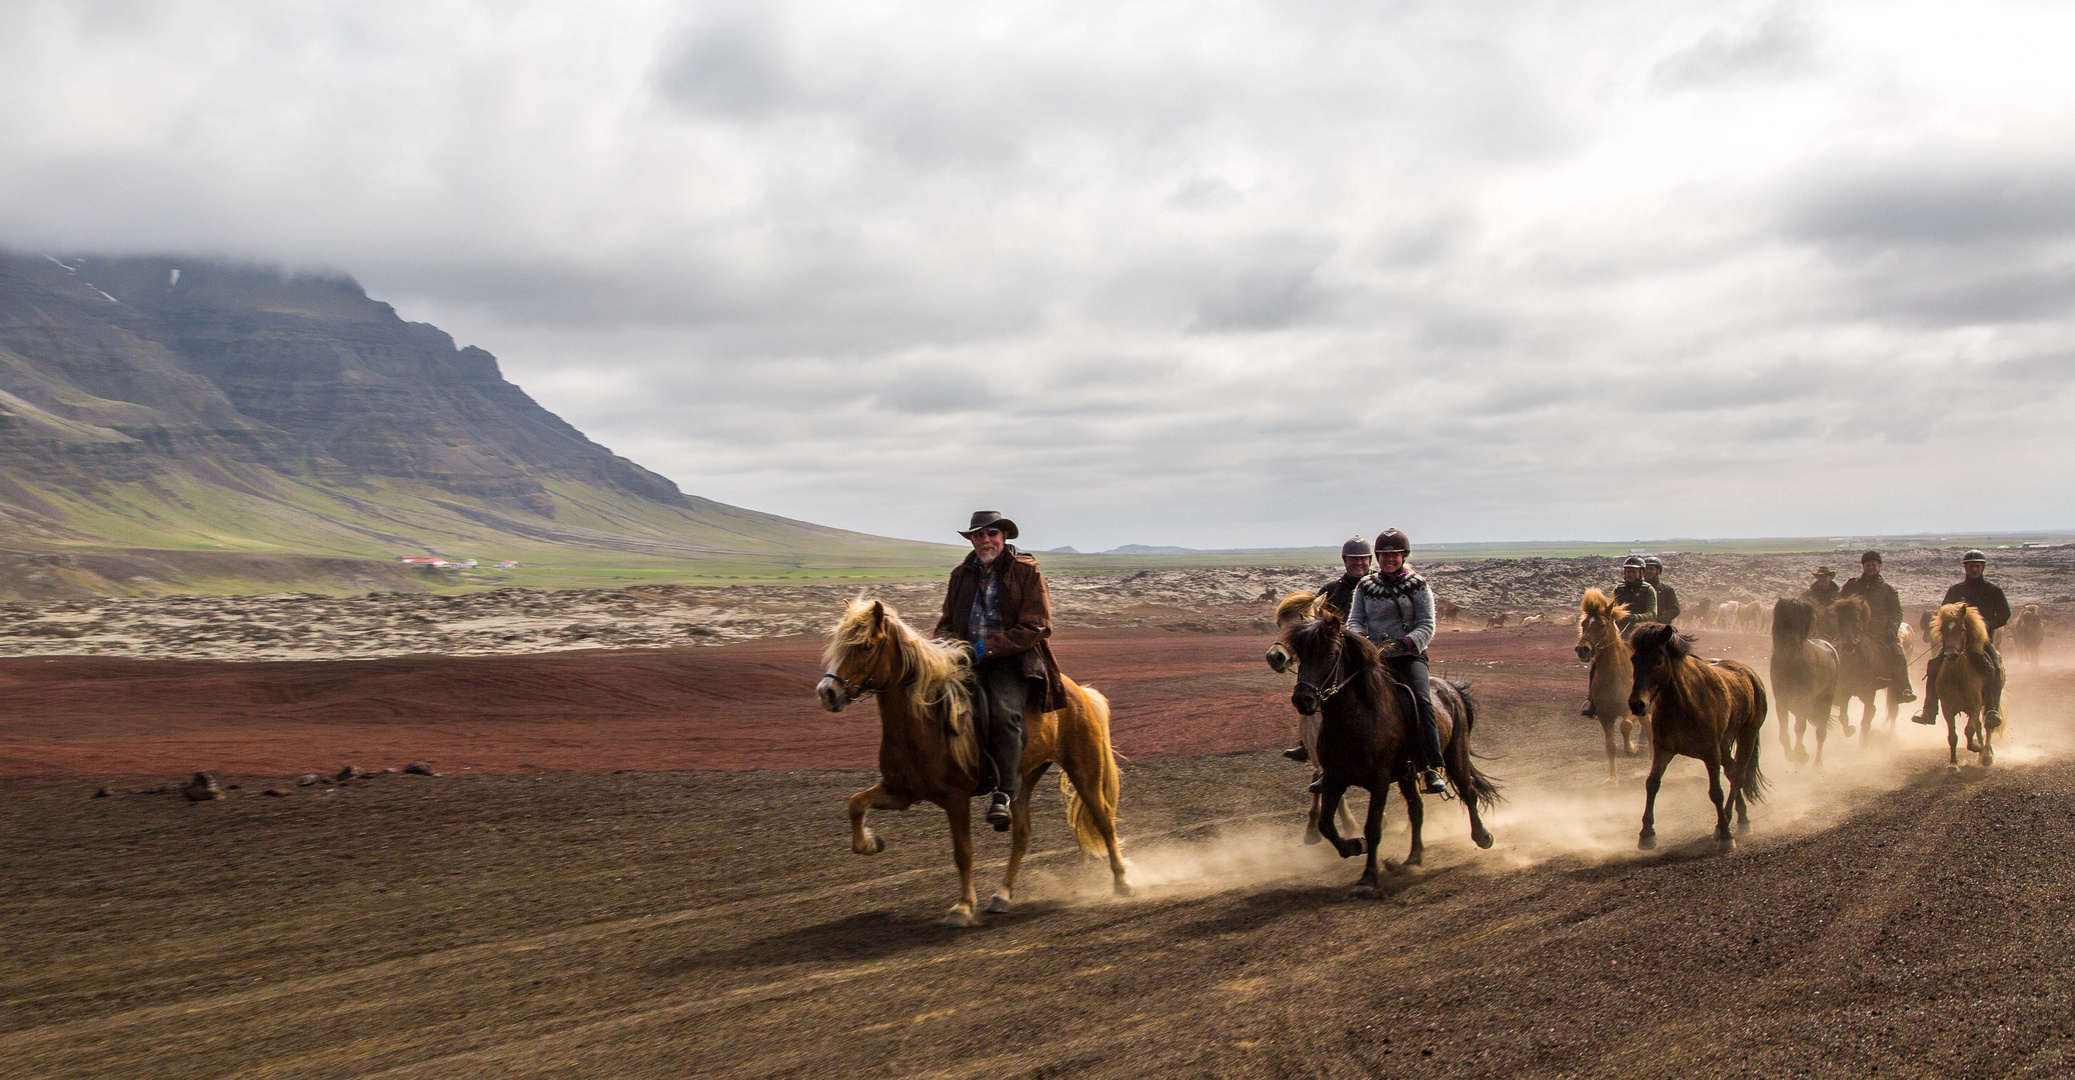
{"x": 1710, "y": 710}
{"x": 929, "y": 751}
{"x": 1294, "y": 608}
{"x": 2028, "y": 634}
{"x": 1365, "y": 738}
{"x": 1804, "y": 676}
{"x": 1862, "y": 665}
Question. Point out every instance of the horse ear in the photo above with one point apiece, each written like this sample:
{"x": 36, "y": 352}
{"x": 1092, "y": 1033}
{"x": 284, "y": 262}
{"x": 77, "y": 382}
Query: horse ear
{"x": 878, "y": 616}
{"x": 1680, "y": 646}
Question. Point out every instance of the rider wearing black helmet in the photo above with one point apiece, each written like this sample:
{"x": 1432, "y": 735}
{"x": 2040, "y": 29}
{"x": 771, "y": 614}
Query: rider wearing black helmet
{"x": 1976, "y": 592}
{"x": 1667, "y": 599}
{"x": 1339, "y": 592}
{"x": 1885, "y": 605}
{"x": 1394, "y": 608}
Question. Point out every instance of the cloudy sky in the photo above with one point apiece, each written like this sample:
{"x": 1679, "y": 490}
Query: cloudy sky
{"x": 1198, "y": 273}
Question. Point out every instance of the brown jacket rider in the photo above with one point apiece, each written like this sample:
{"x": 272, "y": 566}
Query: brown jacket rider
{"x": 1026, "y": 616}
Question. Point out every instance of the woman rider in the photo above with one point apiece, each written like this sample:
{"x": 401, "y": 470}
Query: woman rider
{"x": 1394, "y": 609}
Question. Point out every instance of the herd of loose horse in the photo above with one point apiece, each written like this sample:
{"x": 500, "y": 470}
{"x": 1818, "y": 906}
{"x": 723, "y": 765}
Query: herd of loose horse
{"x": 1646, "y": 686}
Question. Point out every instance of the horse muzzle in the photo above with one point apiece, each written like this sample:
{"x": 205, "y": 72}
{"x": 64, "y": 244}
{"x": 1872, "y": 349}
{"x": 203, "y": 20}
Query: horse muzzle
{"x": 1278, "y": 658}
{"x": 830, "y": 691}
{"x": 1305, "y": 701}
{"x": 1584, "y": 652}
{"x": 1635, "y": 706}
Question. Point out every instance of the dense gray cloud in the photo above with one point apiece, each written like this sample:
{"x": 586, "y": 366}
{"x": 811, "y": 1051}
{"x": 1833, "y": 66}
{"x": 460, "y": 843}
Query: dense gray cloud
{"x": 1164, "y": 273}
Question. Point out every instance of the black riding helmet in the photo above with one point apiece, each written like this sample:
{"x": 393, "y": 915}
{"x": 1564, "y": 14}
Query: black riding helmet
{"x": 1974, "y": 555}
{"x": 1356, "y": 548}
{"x": 1393, "y": 540}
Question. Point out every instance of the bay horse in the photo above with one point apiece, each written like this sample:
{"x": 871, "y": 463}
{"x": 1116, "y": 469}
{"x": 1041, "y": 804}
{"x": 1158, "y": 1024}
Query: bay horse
{"x": 1804, "y": 676}
{"x": 1365, "y": 738}
{"x": 2028, "y": 634}
{"x": 929, "y": 750}
{"x": 1960, "y": 634}
{"x": 1706, "y": 709}
{"x": 1610, "y": 673}
{"x": 1862, "y": 670}
{"x": 1293, "y": 608}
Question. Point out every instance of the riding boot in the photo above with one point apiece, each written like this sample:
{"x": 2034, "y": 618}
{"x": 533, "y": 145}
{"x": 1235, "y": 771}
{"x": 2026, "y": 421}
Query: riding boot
{"x": 1426, "y": 735}
{"x": 1990, "y": 664}
{"x": 1929, "y": 715}
{"x": 1007, "y": 694}
{"x": 1898, "y": 675}
{"x": 1297, "y": 753}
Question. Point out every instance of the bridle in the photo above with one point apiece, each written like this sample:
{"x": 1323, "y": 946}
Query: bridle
{"x": 1324, "y": 695}
{"x": 859, "y": 689}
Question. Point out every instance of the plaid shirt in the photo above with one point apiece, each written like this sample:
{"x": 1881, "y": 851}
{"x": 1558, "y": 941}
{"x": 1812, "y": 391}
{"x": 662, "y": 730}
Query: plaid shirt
{"x": 986, "y": 617}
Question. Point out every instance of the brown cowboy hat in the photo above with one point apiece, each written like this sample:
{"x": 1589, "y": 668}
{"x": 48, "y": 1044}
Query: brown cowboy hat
{"x": 989, "y": 519}
{"x": 1824, "y": 571}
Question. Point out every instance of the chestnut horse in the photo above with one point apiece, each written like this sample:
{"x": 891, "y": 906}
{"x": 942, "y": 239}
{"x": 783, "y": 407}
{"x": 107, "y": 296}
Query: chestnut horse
{"x": 1804, "y": 676}
{"x": 1365, "y": 738}
{"x": 1862, "y": 669}
{"x": 1297, "y": 606}
{"x": 930, "y": 752}
{"x": 1705, "y": 709}
{"x": 1610, "y": 674}
{"x": 1960, "y": 635}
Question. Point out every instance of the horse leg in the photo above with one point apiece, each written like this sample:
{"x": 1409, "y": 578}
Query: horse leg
{"x": 1459, "y": 774}
{"x": 1329, "y": 807}
{"x": 960, "y": 813}
{"x": 1658, "y": 760}
{"x": 1311, "y": 820}
{"x": 1372, "y": 837}
{"x": 1606, "y": 726}
{"x": 1019, "y": 842}
{"x": 1822, "y": 725}
{"x": 1988, "y": 747}
{"x": 862, "y": 840}
{"x": 1723, "y": 841}
{"x": 1415, "y": 822}
{"x": 1952, "y": 740}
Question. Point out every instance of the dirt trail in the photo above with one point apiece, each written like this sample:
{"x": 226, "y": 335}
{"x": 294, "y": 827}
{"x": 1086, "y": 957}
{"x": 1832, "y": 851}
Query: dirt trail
{"x": 1887, "y": 917}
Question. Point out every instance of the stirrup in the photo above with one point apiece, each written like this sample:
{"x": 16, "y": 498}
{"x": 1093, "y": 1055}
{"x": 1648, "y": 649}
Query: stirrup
{"x": 1431, "y": 783}
{"x": 998, "y": 812}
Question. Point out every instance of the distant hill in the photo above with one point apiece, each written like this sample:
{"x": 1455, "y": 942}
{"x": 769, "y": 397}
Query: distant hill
{"x": 173, "y": 406}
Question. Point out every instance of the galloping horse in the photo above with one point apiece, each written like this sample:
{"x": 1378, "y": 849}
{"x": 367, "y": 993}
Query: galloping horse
{"x": 1804, "y": 676}
{"x": 1961, "y": 635}
{"x": 1365, "y": 737}
{"x": 929, "y": 751}
{"x": 1704, "y": 709}
{"x": 1610, "y": 674}
{"x": 1291, "y": 609}
{"x": 1861, "y": 670}
{"x": 2028, "y": 633}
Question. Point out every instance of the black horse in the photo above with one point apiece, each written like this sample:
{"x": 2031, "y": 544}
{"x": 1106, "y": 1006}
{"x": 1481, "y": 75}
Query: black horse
{"x": 1365, "y": 737}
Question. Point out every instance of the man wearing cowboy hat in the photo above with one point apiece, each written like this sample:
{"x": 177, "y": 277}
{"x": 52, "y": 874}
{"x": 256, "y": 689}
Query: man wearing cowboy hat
{"x": 998, "y": 605}
{"x": 1976, "y": 592}
{"x": 1822, "y": 592}
{"x": 1885, "y": 606}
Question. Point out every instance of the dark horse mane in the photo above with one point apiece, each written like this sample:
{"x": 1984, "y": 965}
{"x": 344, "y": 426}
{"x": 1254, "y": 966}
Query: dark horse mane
{"x": 1792, "y": 620}
{"x": 1313, "y": 637}
{"x": 1853, "y": 613}
{"x": 1660, "y": 636}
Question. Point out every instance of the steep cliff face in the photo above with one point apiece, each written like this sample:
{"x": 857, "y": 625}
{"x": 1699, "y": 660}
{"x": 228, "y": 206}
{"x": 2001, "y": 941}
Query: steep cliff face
{"x": 184, "y": 403}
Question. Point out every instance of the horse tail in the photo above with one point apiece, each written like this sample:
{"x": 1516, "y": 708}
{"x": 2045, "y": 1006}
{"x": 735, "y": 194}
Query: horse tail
{"x": 1752, "y": 779}
{"x": 1084, "y": 812}
{"x": 1483, "y": 791}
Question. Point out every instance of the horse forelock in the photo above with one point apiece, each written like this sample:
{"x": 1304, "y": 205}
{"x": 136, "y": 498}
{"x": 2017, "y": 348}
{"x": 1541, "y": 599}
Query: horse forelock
{"x": 1854, "y": 613}
{"x": 1296, "y": 605}
{"x": 1792, "y": 619}
{"x": 1961, "y": 616}
{"x": 936, "y": 670}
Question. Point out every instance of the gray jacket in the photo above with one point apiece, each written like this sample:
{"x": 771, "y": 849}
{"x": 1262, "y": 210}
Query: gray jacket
{"x": 1386, "y": 609}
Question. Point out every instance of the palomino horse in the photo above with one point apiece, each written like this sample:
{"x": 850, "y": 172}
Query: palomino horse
{"x": 929, "y": 751}
{"x": 1961, "y": 636}
{"x": 1610, "y": 675}
{"x": 2028, "y": 633}
{"x": 1862, "y": 669}
{"x": 1804, "y": 676}
{"x": 1706, "y": 709}
{"x": 1365, "y": 738}
{"x": 1291, "y": 609}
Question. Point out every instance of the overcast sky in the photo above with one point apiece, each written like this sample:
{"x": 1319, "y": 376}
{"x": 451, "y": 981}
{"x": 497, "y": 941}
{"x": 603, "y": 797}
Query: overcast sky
{"x": 1212, "y": 274}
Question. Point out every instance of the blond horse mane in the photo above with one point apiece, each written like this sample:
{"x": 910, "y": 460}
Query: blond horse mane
{"x": 1300, "y": 605}
{"x": 935, "y": 686}
{"x": 1596, "y": 604}
{"x": 1974, "y": 632}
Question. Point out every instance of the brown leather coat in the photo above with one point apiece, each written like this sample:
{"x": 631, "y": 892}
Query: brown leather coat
{"x": 1026, "y": 617}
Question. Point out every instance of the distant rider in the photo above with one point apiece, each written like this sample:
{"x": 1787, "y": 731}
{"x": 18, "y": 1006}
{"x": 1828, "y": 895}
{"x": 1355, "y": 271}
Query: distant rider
{"x": 998, "y": 604}
{"x": 1823, "y": 591}
{"x": 1667, "y": 598}
{"x": 1976, "y": 592}
{"x": 1394, "y": 608}
{"x": 1640, "y": 598}
{"x": 1339, "y": 592}
{"x": 1635, "y": 594}
{"x": 1886, "y": 605}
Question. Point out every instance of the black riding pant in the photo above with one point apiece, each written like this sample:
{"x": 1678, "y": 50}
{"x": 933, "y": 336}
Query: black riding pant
{"x": 1989, "y": 662}
{"x": 1426, "y": 733}
{"x": 1894, "y": 663}
{"x": 1001, "y": 691}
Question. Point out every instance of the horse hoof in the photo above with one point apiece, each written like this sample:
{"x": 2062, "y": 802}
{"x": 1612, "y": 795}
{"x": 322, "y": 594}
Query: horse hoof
{"x": 874, "y": 844}
{"x": 959, "y": 916}
{"x": 998, "y": 906}
{"x": 1366, "y": 890}
{"x": 1350, "y": 849}
{"x": 1122, "y": 888}
{"x": 1847, "y": 729}
{"x": 1403, "y": 869}
{"x": 1725, "y": 844}
{"x": 1647, "y": 841}
{"x": 1988, "y": 758}
{"x": 1313, "y": 837}
{"x": 1743, "y": 828}
{"x": 1483, "y": 839}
